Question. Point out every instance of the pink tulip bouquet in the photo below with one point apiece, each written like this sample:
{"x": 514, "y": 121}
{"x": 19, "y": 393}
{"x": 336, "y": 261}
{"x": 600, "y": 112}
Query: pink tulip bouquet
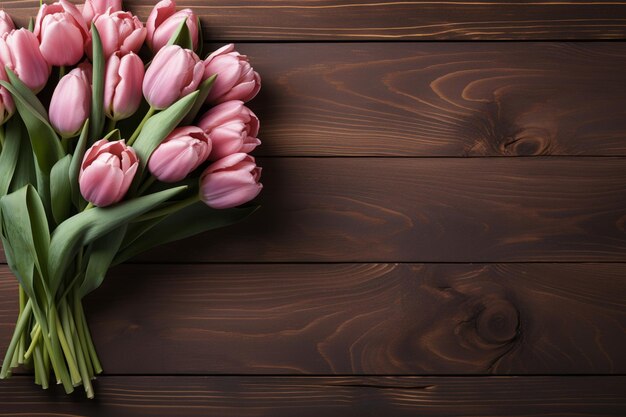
{"x": 115, "y": 137}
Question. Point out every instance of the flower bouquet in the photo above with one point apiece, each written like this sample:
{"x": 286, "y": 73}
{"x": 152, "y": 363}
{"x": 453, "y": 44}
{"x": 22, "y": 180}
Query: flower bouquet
{"x": 116, "y": 137}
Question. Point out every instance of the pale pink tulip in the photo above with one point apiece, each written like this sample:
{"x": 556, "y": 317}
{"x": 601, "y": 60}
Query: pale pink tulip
{"x": 122, "y": 85}
{"x": 173, "y": 73}
{"x": 107, "y": 171}
{"x": 119, "y": 31}
{"x": 163, "y": 22}
{"x": 184, "y": 150}
{"x": 232, "y": 128}
{"x": 19, "y": 51}
{"x": 94, "y": 8}
{"x": 6, "y": 23}
{"x": 62, "y": 32}
{"x": 230, "y": 182}
{"x": 71, "y": 102}
{"x": 236, "y": 80}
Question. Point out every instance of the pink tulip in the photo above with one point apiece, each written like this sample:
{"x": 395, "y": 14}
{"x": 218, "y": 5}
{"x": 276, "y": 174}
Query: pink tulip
{"x": 107, "y": 171}
{"x": 62, "y": 31}
{"x": 119, "y": 31}
{"x": 19, "y": 50}
{"x": 94, "y": 8}
{"x": 122, "y": 85}
{"x": 71, "y": 102}
{"x": 174, "y": 73}
{"x": 184, "y": 150}
{"x": 6, "y": 23}
{"x": 7, "y": 106}
{"x": 236, "y": 80}
{"x": 230, "y": 182}
{"x": 163, "y": 22}
{"x": 232, "y": 128}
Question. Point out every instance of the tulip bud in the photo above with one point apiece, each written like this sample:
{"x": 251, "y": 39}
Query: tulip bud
{"x": 122, "y": 85}
{"x": 6, "y": 23}
{"x": 7, "y": 106}
{"x": 19, "y": 50}
{"x": 107, "y": 171}
{"x": 62, "y": 32}
{"x": 236, "y": 80}
{"x": 230, "y": 182}
{"x": 163, "y": 22}
{"x": 71, "y": 102}
{"x": 184, "y": 150}
{"x": 119, "y": 31}
{"x": 94, "y": 8}
{"x": 174, "y": 73}
{"x": 232, "y": 128}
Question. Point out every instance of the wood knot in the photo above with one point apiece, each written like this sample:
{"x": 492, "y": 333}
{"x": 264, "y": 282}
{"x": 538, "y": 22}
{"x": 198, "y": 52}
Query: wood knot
{"x": 498, "y": 323}
{"x": 528, "y": 142}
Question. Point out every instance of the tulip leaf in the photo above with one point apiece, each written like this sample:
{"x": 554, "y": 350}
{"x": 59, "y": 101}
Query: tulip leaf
{"x": 159, "y": 126}
{"x": 27, "y": 94}
{"x": 203, "y": 93}
{"x": 178, "y": 226}
{"x": 77, "y": 160}
{"x": 97, "y": 86}
{"x": 25, "y": 171}
{"x": 113, "y": 135}
{"x": 60, "y": 189}
{"x": 103, "y": 250}
{"x": 10, "y": 154}
{"x": 200, "y": 37}
{"x": 182, "y": 36}
{"x": 89, "y": 225}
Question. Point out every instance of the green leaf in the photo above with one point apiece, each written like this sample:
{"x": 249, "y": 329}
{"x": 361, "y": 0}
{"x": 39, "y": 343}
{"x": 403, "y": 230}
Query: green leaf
{"x": 25, "y": 171}
{"x": 159, "y": 126}
{"x": 77, "y": 160}
{"x": 61, "y": 190}
{"x": 10, "y": 154}
{"x": 113, "y": 135}
{"x": 197, "y": 218}
{"x": 103, "y": 251}
{"x": 25, "y": 234}
{"x": 203, "y": 93}
{"x": 200, "y": 38}
{"x": 97, "y": 86}
{"x": 27, "y": 94}
{"x": 89, "y": 225}
{"x": 182, "y": 37}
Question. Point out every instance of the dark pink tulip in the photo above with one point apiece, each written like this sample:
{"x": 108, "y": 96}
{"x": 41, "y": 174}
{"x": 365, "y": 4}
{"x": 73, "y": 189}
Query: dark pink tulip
{"x": 62, "y": 32}
{"x": 236, "y": 80}
{"x": 184, "y": 150}
{"x": 107, "y": 171}
{"x": 6, "y": 23}
{"x": 173, "y": 73}
{"x": 119, "y": 31}
{"x": 71, "y": 102}
{"x": 230, "y": 182}
{"x": 94, "y": 8}
{"x": 163, "y": 22}
{"x": 122, "y": 85}
{"x": 232, "y": 128}
{"x": 19, "y": 50}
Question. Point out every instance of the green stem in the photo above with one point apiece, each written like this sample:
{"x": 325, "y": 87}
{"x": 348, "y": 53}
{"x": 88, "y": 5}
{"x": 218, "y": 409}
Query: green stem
{"x": 137, "y": 131}
{"x": 110, "y": 125}
{"x": 82, "y": 322}
{"x": 89, "y": 207}
{"x": 35, "y": 335}
{"x": 172, "y": 208}
{"x": 19, "y": 328}
{"x": 22, "y": 345}
{"x": 69, "y": 358}
{"x": 146, "y": 185}
{"x": 61, "y": 71}
{"x": 40, "y": 368}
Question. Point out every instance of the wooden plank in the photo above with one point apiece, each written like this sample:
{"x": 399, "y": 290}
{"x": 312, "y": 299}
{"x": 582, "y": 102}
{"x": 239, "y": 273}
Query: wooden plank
{"x": 372, "y": 19}
{"x": 356, "y": 319}
{"x": 328, "y": 396}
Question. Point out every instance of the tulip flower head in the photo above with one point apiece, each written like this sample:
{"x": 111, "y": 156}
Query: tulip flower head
{"x": 107, "y": 171}
{"x": 232, "y": 128}
{"x": 173, "y": 73}
{"x": 230, "y": 182}
{"x": 62, "y": 32}
{"x": 19, "y": 51}
{"x": 163, "y": 22}
{"x": 94, "y": 8}
{"x": 236, "y": 79}
{"x": 122, "y": 85}
{"x": 71, "y": 102}
{"x": 184, "y": 150}
{"x": 119, "y": 31}
{"x": 6, "y": 23}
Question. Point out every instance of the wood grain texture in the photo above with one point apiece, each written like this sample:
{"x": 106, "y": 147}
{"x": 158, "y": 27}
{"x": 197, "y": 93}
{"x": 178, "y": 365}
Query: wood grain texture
{"x": 328, "y": 396}
{"x": 356, "y": 319}
{"x": 389, "y": 20}
{"x": 441, "y": 99}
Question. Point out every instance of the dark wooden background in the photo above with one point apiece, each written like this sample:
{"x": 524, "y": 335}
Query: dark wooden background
{"x": 443, "y": 227}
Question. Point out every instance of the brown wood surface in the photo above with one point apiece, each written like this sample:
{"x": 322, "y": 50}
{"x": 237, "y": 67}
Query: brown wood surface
{"x": 328, "y": 396}
{"x": 356, "y": 319}
{"x": 391, "y": 20}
